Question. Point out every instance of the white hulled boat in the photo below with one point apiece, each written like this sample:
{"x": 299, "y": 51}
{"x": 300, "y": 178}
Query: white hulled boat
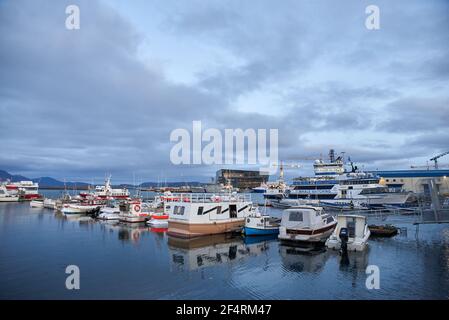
{"x": 36, "y": 203}
{"x": 306, "y": 224}
{"x": 356, "y": 229}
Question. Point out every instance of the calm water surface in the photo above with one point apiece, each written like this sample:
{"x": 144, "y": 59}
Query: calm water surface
{"x": 136, "y": 262}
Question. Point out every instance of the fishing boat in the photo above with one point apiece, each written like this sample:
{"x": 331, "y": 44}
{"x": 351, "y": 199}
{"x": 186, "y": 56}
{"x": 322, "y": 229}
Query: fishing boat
{"x": 36, "y": 203}
{"x": 5, "y": 196}
{"x": 107, "y": 192}
{"x": 257, "y": 224}
{"x": 131, "y": 212}
{"x": 357, "y": 232}
{"x": 195, "y": 215}
{"x": 306, "y": 224}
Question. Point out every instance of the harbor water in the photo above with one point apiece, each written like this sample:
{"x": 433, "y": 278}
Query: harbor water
{"x": 137, "y": 262}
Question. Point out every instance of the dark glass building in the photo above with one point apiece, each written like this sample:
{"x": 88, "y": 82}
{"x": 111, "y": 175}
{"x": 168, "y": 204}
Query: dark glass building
{"x": 242, "y": 179}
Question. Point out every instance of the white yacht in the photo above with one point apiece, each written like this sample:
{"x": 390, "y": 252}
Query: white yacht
{"x": 306, "y": 224}
{"x": 363, "y": 191}
{"x": 356, "y": 229}
{"x": 192, "y": 215}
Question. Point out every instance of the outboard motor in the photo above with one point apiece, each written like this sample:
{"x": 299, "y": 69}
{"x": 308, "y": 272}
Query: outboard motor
{"x": 344, "y": 236}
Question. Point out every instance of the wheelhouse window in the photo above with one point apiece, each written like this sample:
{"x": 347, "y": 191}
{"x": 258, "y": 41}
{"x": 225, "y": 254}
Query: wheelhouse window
{"x": 295, "y": 216}
{"x": 200, "y": 211}
{"x": 219, "y": 210}
{"x": 178, "y": 210}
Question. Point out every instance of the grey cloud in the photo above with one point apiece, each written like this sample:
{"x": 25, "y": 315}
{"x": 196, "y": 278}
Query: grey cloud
{"x": 81, "y": 103}
{"x": 415, "y": 115}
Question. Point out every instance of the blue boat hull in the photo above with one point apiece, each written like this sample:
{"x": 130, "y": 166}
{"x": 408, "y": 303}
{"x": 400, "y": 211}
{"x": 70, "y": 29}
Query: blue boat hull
{"x": 259, "y": 232}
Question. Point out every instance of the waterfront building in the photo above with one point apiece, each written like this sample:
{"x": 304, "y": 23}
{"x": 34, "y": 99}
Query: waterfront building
{"x": 241, "y": 179}
{"x": 417, "y": 181}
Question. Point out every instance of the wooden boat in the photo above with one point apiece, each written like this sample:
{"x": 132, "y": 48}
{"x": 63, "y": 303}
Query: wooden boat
{"x": 383, "y": 231}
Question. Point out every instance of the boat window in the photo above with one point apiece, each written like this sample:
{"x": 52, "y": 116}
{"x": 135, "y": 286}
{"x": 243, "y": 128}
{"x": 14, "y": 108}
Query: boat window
{"x": 200, "y": 210}
{"x": 179, "y": 210}
{"x": 351, "y": 227}
{"x": 233, "y": 211}
{"x": 219, "y": 210}
{"x": 296, "y": 216}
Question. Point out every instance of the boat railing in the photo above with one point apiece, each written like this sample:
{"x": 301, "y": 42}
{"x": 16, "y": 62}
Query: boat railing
{"x": 206, "y": 197}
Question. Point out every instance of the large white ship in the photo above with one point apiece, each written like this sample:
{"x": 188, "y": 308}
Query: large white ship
{"x": 334, "y": 186}
{"x": 25, "y": 190}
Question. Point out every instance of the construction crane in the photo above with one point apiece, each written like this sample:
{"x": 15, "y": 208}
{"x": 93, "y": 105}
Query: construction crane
{"x": 282, "y": 166}
{"x": 435, "y": 159}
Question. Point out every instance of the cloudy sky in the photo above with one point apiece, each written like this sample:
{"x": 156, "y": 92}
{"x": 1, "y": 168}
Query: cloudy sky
{"x": 76, "y": 104}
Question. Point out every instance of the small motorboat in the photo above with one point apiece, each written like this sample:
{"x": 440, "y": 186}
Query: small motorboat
{"x": 257, "y": 224}
{"x": 306, "y": 224}
{"x": 36, "y": 203}
{"x": 109, "y": 213}
{"x": 383, "y": 231}
{"x": 357, "y": 233}
{"x": 79, "y": 208}
{"x": 158, "y": 219}
{"x": 49, "y": 203}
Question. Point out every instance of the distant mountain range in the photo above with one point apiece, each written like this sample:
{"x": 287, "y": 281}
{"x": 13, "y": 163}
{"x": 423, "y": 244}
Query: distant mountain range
{"x": 53, "y": 183}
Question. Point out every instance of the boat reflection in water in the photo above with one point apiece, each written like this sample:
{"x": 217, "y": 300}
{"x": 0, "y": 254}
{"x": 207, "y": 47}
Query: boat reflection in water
{"x": 201, "y": 252}
{"x": 304, "y": 258}
{"x": 132, "y": 232}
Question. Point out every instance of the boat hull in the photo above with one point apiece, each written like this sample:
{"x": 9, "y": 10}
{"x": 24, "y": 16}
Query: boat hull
{"x": 191, "y": 230}
{"x": 309, "y": 235}
{"x": 9, "y": 199}
{"x": 36, "y": 204}
{"x": 260, "y": 232}
{"x": 132, "y": 218}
